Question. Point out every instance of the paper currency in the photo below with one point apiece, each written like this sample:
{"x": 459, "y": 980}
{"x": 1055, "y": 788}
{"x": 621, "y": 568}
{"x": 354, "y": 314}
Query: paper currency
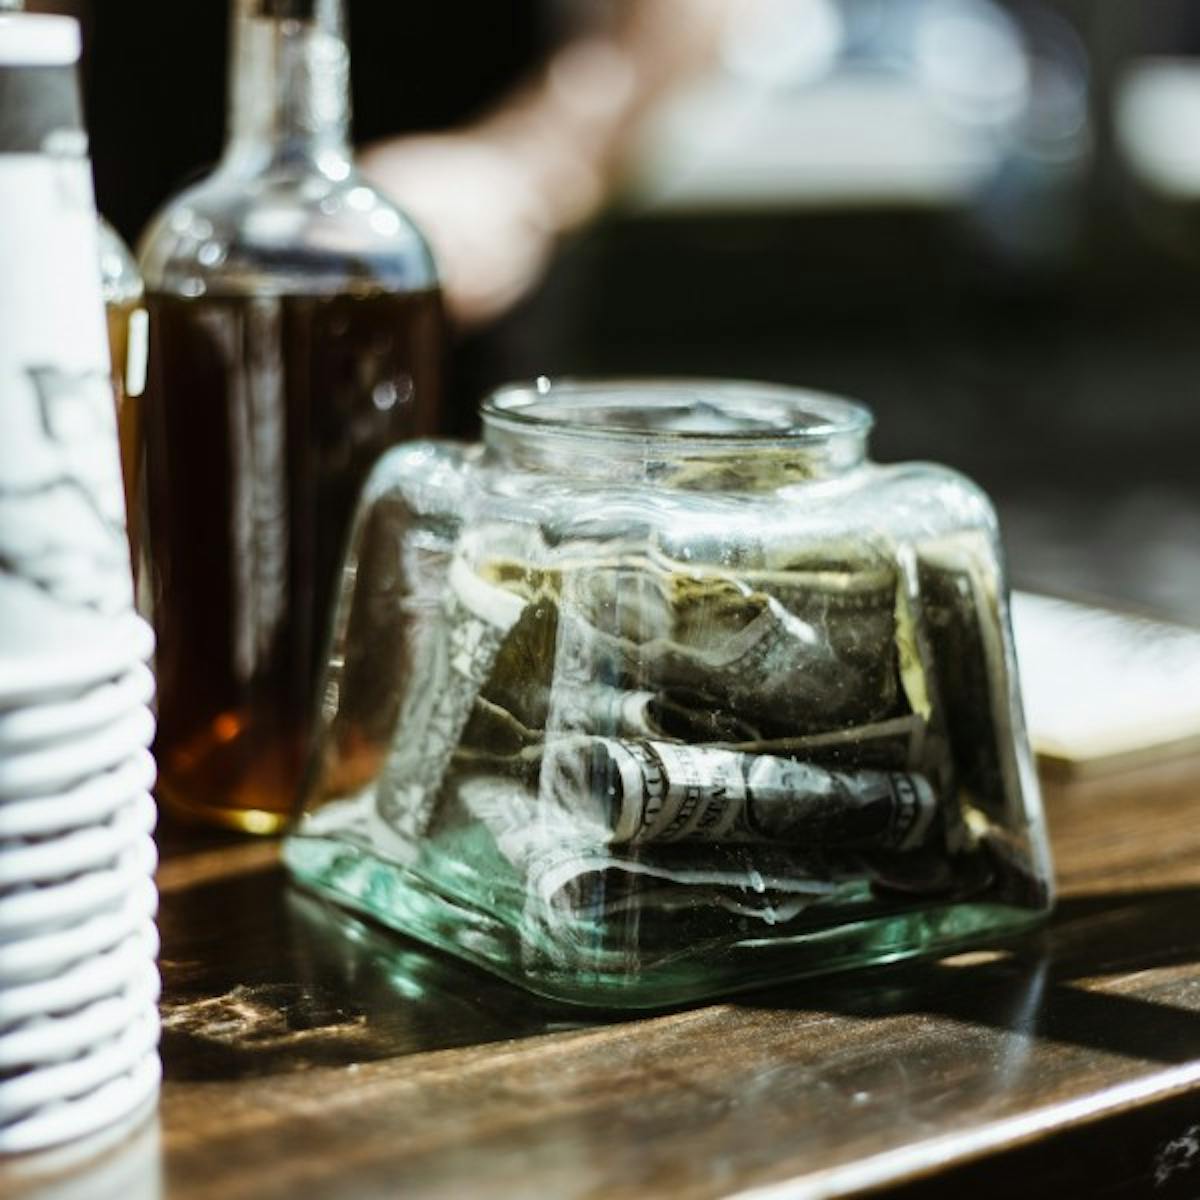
{"x": 807, "y": 650}
{"x": 581, "y": 901}
{"x": 638, "y": 734}
{"x": 571, "y": 871}
{"x": 454, "y": 657}
{"x": 974, "y": 669}
{"x": 662, "y": 792}
{"x": 597, "y": 708}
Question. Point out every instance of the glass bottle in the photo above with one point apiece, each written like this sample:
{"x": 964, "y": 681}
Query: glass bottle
{"x": 296, "y": 333}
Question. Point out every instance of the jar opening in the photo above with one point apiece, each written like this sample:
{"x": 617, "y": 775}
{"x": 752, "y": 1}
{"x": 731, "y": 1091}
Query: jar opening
{"x": 682, "y": 415}
{"x": 716, "y": 435}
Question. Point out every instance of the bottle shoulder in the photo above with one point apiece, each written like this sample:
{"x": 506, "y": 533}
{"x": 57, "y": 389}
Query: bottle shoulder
{"x": 283, "y": 231}
{"x": 120, "y": 279}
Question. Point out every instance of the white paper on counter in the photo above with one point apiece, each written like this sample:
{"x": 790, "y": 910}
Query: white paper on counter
{"x": 1105, "y": 688}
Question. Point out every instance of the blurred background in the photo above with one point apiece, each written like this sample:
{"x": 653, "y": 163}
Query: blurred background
{"x": 981, "y": 217}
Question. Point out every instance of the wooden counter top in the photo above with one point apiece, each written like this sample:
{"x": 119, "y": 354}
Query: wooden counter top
{"x": 310, "y": 1055}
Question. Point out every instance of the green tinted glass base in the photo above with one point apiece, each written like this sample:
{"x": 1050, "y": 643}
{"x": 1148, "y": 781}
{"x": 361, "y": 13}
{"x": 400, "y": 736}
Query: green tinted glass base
{"x": 622, "y": 966}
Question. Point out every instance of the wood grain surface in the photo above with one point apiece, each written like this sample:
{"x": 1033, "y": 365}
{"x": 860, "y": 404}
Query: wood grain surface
{"x": 309, "y": 1054}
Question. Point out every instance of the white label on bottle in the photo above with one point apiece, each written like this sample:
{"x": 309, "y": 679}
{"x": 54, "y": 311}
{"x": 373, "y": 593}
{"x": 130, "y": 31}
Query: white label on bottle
{"x": 139, "y": 349}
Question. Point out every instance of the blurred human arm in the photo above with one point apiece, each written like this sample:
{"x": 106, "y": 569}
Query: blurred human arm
{"x": 494, "y": 196}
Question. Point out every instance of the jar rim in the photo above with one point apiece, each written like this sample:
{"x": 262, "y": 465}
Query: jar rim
{"x": 692, "y": 412}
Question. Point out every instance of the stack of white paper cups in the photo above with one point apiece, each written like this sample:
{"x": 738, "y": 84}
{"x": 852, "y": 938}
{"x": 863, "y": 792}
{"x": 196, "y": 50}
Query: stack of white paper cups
{"x": 78, "y": 984}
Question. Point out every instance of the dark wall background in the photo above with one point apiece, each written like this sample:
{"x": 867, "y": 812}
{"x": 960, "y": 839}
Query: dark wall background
{"x": 1068, "y": 385}
{"x": 157, "y": 81}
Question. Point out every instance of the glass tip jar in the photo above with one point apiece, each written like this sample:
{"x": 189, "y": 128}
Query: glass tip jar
{"x": 666, "y": 690}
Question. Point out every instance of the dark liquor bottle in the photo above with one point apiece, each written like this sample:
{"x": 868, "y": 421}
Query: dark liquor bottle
{"x": 296, "y": 334}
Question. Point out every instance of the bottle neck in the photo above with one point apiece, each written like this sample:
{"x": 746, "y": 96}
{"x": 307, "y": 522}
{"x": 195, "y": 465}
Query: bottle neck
{"x": 289, "y": 101}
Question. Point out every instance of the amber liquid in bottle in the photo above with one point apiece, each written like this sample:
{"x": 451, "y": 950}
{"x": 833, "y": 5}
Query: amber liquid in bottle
{"x": 264, "y": 417}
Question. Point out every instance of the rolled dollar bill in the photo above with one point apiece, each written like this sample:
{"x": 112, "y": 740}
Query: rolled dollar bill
{"x": 608, "y": 711}
{"x": 662, "y": 792}
{"x": 496, "y": 740}
{"x": 574, "y": 879}
{"x": 577, "y": 892}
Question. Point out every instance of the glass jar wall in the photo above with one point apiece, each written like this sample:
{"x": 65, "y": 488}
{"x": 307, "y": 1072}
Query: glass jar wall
{"x": 667, "y": 690}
